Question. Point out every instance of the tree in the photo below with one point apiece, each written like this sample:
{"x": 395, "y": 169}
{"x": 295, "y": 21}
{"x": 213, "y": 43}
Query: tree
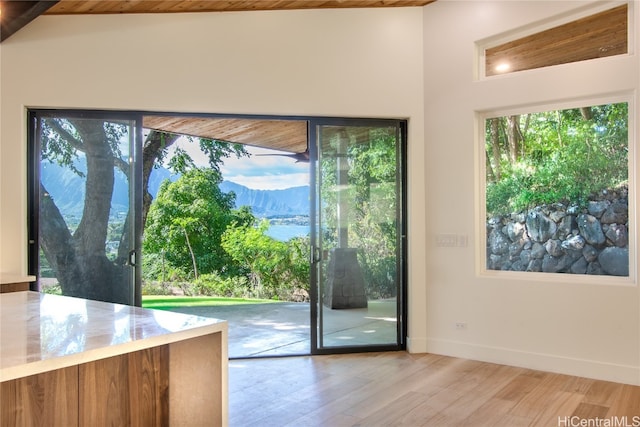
{"x": 562, "y": 156}
{"x": 276, "y": 268}
{"x": 187, "y": 220}
{"x": 78, "y": 256}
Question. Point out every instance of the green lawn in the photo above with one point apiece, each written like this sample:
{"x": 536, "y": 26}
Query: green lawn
{"x": 164, "y": 302}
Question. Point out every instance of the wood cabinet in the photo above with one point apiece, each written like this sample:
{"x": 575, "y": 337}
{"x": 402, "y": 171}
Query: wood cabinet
{"x": 160, "y": 386}
{"x": 14, "y": 287}
{"x": 47, "y": 399}
{"x": 15, "y": 283}
{"x": 170, "y": 381}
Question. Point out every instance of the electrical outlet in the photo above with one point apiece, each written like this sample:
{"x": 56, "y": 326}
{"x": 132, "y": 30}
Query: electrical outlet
{"x": 461, "y": 325}
{"x": 452, "y": 240}
{"x": 446, "y": 240}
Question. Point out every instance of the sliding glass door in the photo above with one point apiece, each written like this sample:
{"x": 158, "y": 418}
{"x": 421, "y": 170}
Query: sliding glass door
{"x": 358, "y": 239}
{"x": 83, "y": 226}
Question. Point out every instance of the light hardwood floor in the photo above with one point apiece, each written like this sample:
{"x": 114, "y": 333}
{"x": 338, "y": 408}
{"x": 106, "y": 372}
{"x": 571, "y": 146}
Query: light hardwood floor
{"x": 401, "y": 389}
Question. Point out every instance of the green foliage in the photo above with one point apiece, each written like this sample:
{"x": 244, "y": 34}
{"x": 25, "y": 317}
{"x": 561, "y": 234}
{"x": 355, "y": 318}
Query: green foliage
{"x": 372, "y": 198}
{"x": 214, "y": 285}
{"x": 156, "y": 288}
{"x": 565, "y": 156}
{"x": 186, "y": 222}
{"x": 61, "y": 142}
{"x": 276, "y": 269}
{"x": 53, "y": 289}
{"x": 215, "y": 150}
{"x": 376, "y": 240}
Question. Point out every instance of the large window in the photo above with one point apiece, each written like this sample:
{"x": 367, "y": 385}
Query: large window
{"x": 556, "y": 190}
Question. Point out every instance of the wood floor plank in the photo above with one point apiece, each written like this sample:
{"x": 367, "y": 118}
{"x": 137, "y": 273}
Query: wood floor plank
{"x": 489, "y": 380}
{"x": 540, "y": 397}
{"x": 384, "y": 389}
{"x": 578, "y": 385}
{"x": 338, "y": 420}
{"x": 603, "y": 393}
{"x": 627, "y": 404}
{"x": 395, "y": 412}
{"x": 562, "y": 405}
{"x": 358, "y": 403}
{"x": 401, "y": 389}
{"x": 589, "y": 411}
{"x": 490, "y": 413}
{"x": 518, "y": 388}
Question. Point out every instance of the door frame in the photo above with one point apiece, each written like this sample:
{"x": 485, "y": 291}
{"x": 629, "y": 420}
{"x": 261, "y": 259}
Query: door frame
{"x": 33, "y": 187}
{"x": 401, "y": 212}
{"x": 33, "y": 179}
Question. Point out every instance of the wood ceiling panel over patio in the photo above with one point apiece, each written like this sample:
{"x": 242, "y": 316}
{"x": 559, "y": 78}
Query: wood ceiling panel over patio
{"x": 283, "y": 135}
{"x": 172, "y": 6}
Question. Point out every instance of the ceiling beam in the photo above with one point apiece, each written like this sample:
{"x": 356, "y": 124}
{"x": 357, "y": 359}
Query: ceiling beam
{"x": 15, "y": 14}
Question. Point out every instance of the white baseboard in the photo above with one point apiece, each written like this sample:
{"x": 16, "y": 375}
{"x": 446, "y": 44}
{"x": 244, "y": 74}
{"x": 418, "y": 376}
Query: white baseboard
{"x": 416, "y": 345}
{"x": 626, "y": 374}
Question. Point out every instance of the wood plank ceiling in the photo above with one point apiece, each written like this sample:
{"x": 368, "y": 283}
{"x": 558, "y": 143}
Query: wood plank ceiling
{"x": 283, "y": 135}
{"x": 173, "y": 6}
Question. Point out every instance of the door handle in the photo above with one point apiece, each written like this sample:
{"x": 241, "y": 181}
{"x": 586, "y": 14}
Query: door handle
{"x": 132, "y": 258}
{"x": 315, "y": 255}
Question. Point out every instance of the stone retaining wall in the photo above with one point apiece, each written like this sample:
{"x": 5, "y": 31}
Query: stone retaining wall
{"x": 563, "y": 239}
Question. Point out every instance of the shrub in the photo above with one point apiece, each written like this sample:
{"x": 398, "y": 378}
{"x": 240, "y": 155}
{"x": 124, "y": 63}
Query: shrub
{"x": 214, "y": 285}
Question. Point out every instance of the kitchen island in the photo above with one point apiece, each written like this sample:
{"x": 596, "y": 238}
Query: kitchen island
{"x": 76, "y": 362}
{"x": 14, "y": 282}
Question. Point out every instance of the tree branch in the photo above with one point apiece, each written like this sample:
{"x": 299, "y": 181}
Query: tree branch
{"x": 122, "y": 166}
{"x": 152, "y": 149}
{"x": 71, "y": 140}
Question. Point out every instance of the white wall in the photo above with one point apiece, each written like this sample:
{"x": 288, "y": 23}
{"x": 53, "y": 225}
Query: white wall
{"x": 352, "y": 63}
{"x": 586, "y": 326}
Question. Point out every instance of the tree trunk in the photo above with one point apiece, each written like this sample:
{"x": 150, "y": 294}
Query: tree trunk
{"x": 193, "y": 257}
{"x": 513, "y": 137}
{"x": 80, "y": 260}
{"x": 586, "y": 113}
{"x": 79, "y": 275}
{"x": 495, "y": 148}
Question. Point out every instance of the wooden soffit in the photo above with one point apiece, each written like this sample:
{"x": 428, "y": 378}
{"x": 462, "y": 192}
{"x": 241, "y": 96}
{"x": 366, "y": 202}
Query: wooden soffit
{"x": 283, "y": 135}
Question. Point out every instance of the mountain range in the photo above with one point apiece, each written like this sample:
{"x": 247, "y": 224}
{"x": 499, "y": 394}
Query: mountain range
{"x": 270, "y": 203}
{"x": 67, "y": 190}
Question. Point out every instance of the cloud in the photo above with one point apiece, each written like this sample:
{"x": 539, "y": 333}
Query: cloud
{"x": 264, "y": 170}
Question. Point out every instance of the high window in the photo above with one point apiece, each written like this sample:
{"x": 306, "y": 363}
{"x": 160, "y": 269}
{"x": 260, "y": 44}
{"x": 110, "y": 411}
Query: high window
{"x": 594, "y": 35}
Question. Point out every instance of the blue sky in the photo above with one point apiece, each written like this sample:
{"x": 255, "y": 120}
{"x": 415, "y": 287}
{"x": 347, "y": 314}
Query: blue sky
{"x": 257, "y": 172}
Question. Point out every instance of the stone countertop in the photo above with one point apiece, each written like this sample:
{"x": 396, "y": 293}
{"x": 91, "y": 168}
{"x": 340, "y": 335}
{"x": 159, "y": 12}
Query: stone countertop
{"x": 42, "y": 332}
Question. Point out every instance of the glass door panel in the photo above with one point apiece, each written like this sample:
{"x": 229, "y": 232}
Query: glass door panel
{"x": 358, "y": 239}
{"x": 85, "y": 242}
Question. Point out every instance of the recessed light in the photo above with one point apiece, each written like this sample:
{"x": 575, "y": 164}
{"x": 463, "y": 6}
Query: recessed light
{"x": 501, "y": 68}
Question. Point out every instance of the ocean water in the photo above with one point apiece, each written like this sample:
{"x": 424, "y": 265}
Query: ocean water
{"x": 286, "y": 232}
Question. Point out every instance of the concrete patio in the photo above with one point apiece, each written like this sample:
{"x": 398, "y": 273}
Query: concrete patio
{"x": 278, "y": 329}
